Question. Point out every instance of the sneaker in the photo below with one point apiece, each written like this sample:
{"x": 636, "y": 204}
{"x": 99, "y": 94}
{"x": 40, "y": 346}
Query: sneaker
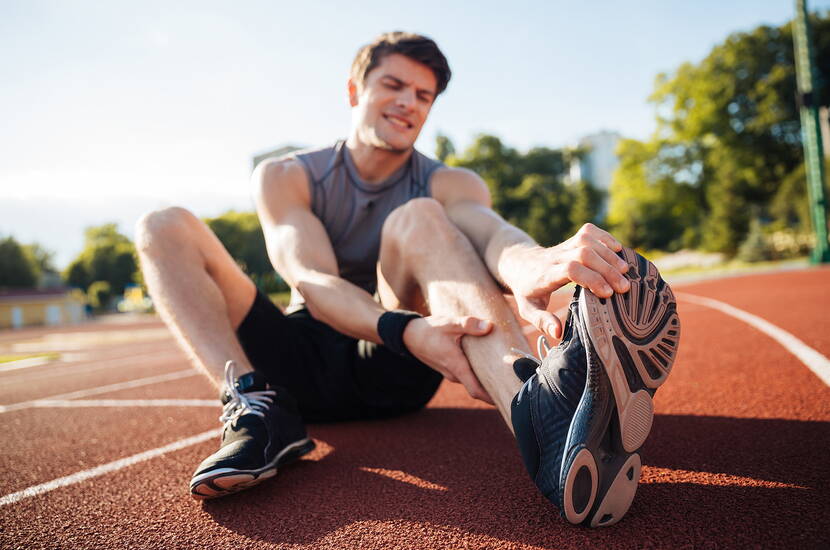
{"x": 263, "y": 431}
{"x": 586, "y": 408}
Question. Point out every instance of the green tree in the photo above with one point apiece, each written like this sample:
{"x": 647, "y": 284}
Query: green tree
{"x": 76, "y": 274}
{"x": 498, "y": 165}
{"x": 649, "y": 208}
{"x": 541, "y": 206}
{"x": 41, "y": 260}
{"x": 586, "y": 202}
{"x": 444, "y": 148}
{"x": 529, "y": 189}
{"x": 241, "y": 234}
{"x": 16, "y": 271}
{"x": 107, "y": 256}
{"x": 99, "y": 295}
{"x": 729, "y": 126}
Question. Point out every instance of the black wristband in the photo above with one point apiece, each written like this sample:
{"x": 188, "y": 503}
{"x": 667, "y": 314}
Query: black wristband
{"x": 390, "y": 329}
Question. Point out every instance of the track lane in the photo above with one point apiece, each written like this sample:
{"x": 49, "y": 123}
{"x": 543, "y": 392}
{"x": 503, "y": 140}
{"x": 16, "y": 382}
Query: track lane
{"x": 33, "y": 385}
{"x": 781, "y": 298}
{"x": 732, "y": 445}
{"x": 57, "y": 442}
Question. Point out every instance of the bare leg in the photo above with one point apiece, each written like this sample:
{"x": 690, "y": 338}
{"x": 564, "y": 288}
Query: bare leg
{"x": 197, "y": 288}
{"x": 426, "y": 260}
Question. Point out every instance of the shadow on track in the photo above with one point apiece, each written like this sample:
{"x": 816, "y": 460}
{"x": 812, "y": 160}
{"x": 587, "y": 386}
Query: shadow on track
{"x": 463, "y": 473}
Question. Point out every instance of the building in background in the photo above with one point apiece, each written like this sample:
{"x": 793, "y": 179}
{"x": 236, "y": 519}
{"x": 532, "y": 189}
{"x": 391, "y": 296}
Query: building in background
{"x": 47, "y": 306}
{"x": 597, "y": 162}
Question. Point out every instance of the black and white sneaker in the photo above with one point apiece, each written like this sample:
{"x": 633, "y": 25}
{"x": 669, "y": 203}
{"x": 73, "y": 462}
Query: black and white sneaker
{"x": 263, "y": 431}
{"x": 585, "y": 408}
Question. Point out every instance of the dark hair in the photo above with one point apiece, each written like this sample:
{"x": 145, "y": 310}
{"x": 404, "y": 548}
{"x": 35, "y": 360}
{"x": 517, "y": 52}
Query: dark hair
{"x": 414, "y": 46}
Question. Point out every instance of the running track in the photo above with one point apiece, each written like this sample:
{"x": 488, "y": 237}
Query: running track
{"x": 738, "y": 457}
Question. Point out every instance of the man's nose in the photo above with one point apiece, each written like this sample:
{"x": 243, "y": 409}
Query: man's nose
{"x": 406, "y": 98}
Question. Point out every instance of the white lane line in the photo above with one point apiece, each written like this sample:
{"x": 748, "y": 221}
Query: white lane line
{"x": 67, "y": 404}
{"x": 106, "y": 468}
{"x": 25, "y": 363}
{"x": 103, "y": 389}
{"x": 815, "y": 361}
{"x": 73, "y": 369}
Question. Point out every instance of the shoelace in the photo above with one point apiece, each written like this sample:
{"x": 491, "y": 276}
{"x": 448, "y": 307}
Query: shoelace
{"x": 252, "y": 402}
{"x": 541, "y": 344}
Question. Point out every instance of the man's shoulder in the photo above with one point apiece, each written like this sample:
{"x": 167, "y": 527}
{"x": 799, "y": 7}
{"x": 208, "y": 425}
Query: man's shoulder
{"x": 450, "y": 184}
{"x": 289, "y": 176}
{"x": 306, "y": 156}
{"x": 281, "y": 178}
{"x": 279, "y": 169}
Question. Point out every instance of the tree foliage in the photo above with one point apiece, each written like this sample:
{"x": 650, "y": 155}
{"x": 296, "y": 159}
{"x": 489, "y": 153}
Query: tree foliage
{"x": 16, "y": 271}
{"x": 107, "y": 256}
{"x": 649, "y": 207}
{"x": 42, "y": 261}
{"x": 241, "y": 234}
{"x": 99, "y": 295}
{"x": 529, "y": 190}
{"x": 728, "y": 143}
{"x": 443, "y": 148}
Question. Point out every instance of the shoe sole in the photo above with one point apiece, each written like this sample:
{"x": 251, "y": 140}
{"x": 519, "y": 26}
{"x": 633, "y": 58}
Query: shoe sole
{"x": 633, "y": 339}
{"x": 225, "y": 481}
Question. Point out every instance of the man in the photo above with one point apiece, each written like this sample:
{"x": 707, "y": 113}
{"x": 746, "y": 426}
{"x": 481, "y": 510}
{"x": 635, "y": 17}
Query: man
{"x": 368, "y": 232}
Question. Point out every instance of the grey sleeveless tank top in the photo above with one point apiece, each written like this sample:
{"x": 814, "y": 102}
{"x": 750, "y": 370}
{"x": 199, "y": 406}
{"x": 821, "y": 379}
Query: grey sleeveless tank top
{"x": 353, "y": 211}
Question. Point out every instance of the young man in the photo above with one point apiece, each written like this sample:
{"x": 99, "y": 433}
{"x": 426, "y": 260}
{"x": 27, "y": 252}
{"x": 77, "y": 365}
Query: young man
{"x": 368, "y": 232}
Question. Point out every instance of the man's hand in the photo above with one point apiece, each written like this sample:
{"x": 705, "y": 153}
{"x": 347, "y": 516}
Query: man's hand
{"x": 436, "y": 341}
{"x": 588, "y": 258}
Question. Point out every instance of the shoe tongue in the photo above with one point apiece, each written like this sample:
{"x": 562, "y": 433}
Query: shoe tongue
{"x": 573, "y": 306}
{"x": 524, "y": 368}
{"x": 251, "y": 381}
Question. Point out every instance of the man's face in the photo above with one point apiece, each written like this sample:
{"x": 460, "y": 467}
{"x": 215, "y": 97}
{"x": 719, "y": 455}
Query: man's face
{"x": 390, "y": 108}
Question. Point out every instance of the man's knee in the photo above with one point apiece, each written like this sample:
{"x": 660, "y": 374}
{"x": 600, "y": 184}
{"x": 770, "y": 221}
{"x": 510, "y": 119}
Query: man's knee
{"x": 162, "y": 226}
{"x": 417, "y": 221}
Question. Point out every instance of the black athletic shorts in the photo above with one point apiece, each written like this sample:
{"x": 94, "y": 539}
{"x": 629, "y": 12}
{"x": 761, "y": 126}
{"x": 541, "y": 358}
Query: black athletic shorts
{"x": 332, "y": 376}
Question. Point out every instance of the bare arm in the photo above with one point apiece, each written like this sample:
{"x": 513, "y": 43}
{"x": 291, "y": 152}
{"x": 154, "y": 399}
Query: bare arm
{"x": 301, "y": 252}
{"x": 529, "y": 271}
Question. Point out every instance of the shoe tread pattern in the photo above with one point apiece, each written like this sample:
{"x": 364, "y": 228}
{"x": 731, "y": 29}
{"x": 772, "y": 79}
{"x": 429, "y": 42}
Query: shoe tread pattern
{"x": 646, "y": 323}
{"x": 633, "y": 339}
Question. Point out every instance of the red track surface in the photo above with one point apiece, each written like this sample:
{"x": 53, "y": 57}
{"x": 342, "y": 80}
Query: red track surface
{"x": 737, "y": 456}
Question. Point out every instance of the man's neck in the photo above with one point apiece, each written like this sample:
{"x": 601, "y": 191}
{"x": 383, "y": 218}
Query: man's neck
{"x": 374, "y": 164}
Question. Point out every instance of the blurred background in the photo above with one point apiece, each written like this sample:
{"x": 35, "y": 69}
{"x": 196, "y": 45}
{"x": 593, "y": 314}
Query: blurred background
{"x": 673, "y": 124}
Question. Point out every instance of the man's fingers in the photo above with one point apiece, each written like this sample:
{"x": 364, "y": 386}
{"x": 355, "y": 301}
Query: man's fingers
{"x": 589, "y": 279}
{"x": 610, "y": 257}
{"x": 545, "y": 321}
{"x": 602, "y": 236}
{"x": 475, "y": 326}
{"x": 602, "y": 260}
{"x": 604, "y": 275}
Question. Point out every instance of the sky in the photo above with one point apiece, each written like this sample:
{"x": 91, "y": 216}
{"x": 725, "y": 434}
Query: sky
{"x": 110, "y": 109}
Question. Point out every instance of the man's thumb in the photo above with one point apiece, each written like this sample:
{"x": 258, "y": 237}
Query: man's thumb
{"x": 477, "y": 327}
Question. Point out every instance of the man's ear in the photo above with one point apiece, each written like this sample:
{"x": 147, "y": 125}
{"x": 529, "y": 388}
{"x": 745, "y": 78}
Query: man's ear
{"x": 352, "y": 87}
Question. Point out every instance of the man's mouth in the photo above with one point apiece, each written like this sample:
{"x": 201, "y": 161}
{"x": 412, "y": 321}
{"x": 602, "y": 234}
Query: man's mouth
{"x": 398, "y": 121}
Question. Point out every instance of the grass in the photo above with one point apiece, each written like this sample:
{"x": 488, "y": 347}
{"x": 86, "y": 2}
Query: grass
{"x": 281, "y": 298}
{"x": 51, "y": 355}
{"x": 736, "y": 266}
